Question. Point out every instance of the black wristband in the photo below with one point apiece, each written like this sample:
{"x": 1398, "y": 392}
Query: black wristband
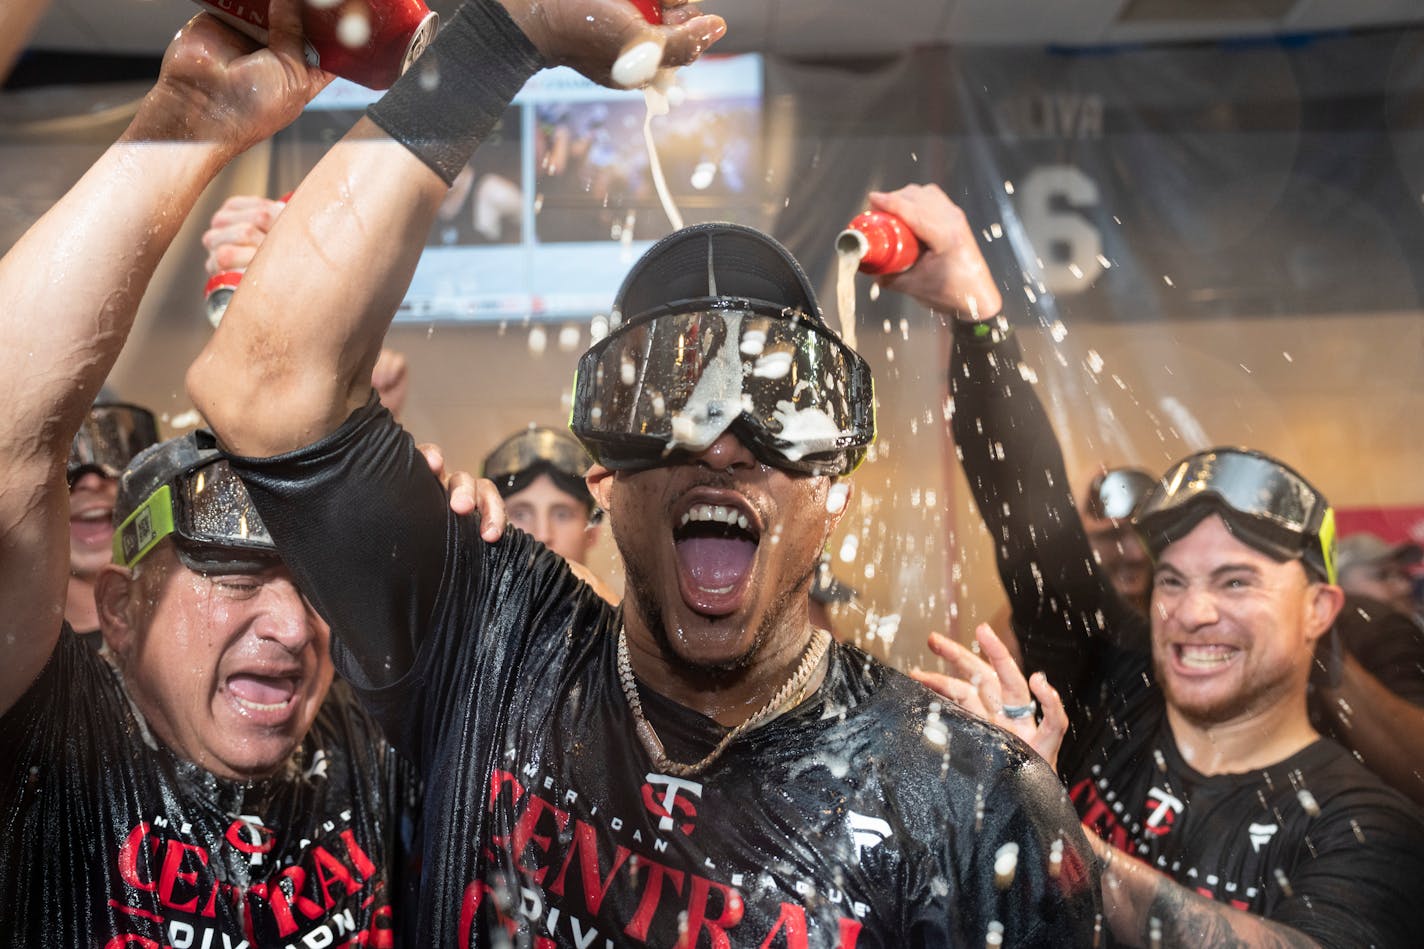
{"x": 447, "y": 102}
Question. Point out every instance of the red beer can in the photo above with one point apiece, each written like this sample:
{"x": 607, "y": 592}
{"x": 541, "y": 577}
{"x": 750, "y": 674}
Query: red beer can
{"x": 217, "y": 294}
{"x": 886, "y": 243}
{"x": 370, "y": 42}
{"x": 652, "y": 10}
{"x": 218, "y": 291}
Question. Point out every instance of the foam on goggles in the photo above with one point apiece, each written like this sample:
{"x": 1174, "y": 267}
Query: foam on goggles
{"x": 798, "y": 396}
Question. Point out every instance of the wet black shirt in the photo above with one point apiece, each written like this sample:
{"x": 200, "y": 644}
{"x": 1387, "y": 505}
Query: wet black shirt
{"x": 1316, "y": 842}
{"x": 866, "y": 817}
{"x": 107, "y": 839}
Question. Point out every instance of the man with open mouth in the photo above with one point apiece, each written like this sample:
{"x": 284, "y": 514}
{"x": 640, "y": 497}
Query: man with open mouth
{"x": 1222, "y": 816}
{"x": 193, "y": 784}
{"x": 699, "y": 766}
{"x": 109, "y": 436}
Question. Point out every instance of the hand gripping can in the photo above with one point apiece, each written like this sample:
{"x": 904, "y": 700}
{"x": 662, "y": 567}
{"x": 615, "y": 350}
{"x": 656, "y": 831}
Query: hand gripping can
{"x": 652, "y": 10}
{"x": 886, "y": 243}
{"x": 370, "y": 42}
{"x": 218, "y": 291}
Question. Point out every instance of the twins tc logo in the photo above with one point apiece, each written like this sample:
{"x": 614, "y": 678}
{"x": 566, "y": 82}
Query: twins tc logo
{"x": 1162, "y": 813}
{"x": 673, "y": 804}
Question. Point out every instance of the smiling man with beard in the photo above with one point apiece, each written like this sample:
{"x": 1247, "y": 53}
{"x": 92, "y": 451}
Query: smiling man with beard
{"x": 699, "y": 767}
{"x": 1222, "y": 816}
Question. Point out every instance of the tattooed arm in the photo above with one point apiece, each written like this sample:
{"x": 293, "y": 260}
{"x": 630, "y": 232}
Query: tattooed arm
{"x": 1147, "y": 908}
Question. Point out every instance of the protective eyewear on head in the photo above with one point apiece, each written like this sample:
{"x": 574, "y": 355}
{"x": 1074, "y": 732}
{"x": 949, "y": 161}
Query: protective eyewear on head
{"x": 108, "y": 439}
{"x": 1115, "y": 493}
{"x": 537, "y": 446}
{"x": 1265, "y": 503}
{"x": 209, "y": 516}
{"x": 796, "y": 395}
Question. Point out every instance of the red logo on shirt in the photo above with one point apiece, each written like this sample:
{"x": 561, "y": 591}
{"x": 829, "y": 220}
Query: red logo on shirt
{"x": 1162, "y": 811}
{"x": 670, "y": 801}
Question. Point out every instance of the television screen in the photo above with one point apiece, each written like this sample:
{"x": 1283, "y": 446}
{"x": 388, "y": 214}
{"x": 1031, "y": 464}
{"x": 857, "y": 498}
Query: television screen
{"x": 560, "y": 199}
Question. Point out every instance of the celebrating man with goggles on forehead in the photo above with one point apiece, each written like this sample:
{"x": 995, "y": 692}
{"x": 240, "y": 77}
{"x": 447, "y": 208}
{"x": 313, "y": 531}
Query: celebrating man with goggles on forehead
{"x": 539, "y": 472}
{"x": 108, "y": 437}
{"x": 699, "y": 766}
{"x": 194, "y": 783}
{"x": 1192, "y": 756}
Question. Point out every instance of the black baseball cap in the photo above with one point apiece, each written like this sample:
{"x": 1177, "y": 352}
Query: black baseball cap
{"x": 718, "y": 261}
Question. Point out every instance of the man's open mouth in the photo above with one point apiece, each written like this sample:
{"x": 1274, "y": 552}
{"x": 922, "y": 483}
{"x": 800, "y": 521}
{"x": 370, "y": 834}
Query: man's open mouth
{"x": 92, "y": 524}
{"x": 716, "y": 546}
{"x": 263, "y": 697}
{"x": 1204, "y": 657}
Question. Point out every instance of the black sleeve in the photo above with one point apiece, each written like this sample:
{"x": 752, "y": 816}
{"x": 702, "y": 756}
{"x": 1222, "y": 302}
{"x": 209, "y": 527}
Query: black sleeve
{"x": 429, "y": 622}
{"x": 1361, "y": 876}
{"x": 1014, "y": 466}
{"x": 1021, "y": 862}
{"x": 367, "y": 533}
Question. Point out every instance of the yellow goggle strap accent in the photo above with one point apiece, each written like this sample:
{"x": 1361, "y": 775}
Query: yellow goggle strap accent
{"x": 150, "y": 522}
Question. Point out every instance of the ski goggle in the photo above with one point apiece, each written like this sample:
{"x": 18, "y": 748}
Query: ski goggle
{"x": 211, "y": 519}
{"x": 1264, "y": 503}
{"x": 520, "y": 459}
{"x": 789, "y": 388}
{"x": 537, "y": 446}
{"x": 1115, "y": 493}
{"x": 108, "y": 439}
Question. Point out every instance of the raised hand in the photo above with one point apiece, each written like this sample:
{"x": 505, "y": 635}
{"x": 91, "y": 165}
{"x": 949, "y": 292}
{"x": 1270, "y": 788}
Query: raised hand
{"x": 993, "y": 688}
{"x": 951, "y": 275}
{"x": 589, "y": 35}
{"x": 218, "y": 86}
{"x": 237, "y": 229}
{"x": 468, "y": 494}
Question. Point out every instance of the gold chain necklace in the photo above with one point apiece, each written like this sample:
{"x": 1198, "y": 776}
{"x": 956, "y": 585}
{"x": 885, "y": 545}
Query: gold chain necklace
{"x": 810, "y": 659}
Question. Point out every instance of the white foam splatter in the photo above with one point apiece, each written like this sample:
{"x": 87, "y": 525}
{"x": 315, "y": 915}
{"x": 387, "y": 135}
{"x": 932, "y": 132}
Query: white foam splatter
{"x": 805, "y": 428}
{"x": 353, "y": 30}
{"x": 638, "y": 64}
{"x": 1006, "y": 864}
{"x": 188, "y": 419}
{"x": 772, "y": 365}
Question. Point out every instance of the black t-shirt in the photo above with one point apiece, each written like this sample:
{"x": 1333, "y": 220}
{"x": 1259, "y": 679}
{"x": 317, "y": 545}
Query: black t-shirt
{"x": 1316, "y": 841}
{"x": 109, "y": 839}
{"x": 868, "y": 816}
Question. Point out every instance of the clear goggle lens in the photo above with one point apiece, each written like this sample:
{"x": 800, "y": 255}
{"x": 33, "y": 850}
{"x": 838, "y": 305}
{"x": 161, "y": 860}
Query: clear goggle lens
{"x": 677, "y": 381}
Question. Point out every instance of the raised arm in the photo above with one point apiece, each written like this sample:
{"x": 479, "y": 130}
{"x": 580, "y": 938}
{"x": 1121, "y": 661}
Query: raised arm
{"x": 293, "y": 356}
{"x": 72, "y": 284}
{"x": 1010, "y": 454}
{"x": 235, "y": 232}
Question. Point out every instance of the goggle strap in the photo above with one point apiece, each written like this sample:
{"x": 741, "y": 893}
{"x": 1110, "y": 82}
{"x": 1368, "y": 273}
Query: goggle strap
{"x": 141, "y": 531}
{"x": 1326, "y": 539}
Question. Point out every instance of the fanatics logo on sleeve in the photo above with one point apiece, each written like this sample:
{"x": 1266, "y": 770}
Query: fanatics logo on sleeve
{"x": 866, "y": 831}
{"x": 1261, "y": 835}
